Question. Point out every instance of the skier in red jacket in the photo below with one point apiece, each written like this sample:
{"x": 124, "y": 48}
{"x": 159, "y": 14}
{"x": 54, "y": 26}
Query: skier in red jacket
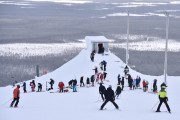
{"x": 16, "y": 96}
{"x": 61, "y": 86}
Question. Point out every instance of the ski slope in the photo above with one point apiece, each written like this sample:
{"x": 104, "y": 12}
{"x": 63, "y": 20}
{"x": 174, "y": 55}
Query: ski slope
{"x": 85, "y": 104}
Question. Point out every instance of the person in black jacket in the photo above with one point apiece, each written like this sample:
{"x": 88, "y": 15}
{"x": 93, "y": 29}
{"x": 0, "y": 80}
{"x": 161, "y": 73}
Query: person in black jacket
{"x": 39, "y": 87}
{"x": 122, "y": 83}
{"x": 109, "y": 95}
{"x": 102, "y": 90}
{"x": 155, "y": 86}
{"x": 51, "y": 84}
{"x": 81, "y": 82}
{"x": 118, "y": 91}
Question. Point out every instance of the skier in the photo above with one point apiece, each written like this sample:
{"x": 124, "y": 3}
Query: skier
{"x": 16, "y": 96}
{"x": 101, "y": 77}
{"x": 92, "y": 55}
{"x": 138, "y": 80}
{"x": 81, "y": 82}
{"x": 118, "y": 90}
{"x": 144, "y": 85}
{"x": 95, "y": 70}
{"x": 24, "y": 87}
{"x": 33, "y": 85}
{"x": 39, "y": 87}
{"x": 119, "y": 79}
{"x": 51, "y": 83}
{"x": 92, "y": 80}
{"x": 70, "y": 83}
{"x": 126, "y": 70}
{"x": 104, "y": 64}
{"x": 134, "y": 84}
{"x": 102, "y": 90}
{"x": 130, "y": 81}
{"x": 101, "y": 65}
{"x": 163, "y": 99}
{"x": 155, "y": 86}
{"x": 74, "y": 85}
{"x": 61, "y": 86}
{"x": 88, "y": 82}
{"x": 147, "y": 83}
{"x": 105, "y": 74}
{"x": 122, "y": 83}
{"x": 109, "y": 95}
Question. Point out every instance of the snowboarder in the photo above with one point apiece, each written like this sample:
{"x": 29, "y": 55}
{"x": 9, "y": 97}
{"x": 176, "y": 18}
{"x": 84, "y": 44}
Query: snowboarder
{"x": 33, "y": 85}
{"x": 51, "y": 83}
{"x": 74, "y": 85}
{"x": 16, "y": 96}
{"x": 118, "y": 91}
{"x": 24, "y": 87}
{"x": 102, "y": 90}
{"x": 109, "y": 96}
{"x": 155, "y": 86}
{"x": 163, "y": 99}
{"x": 39, "y": 87}
{"x": 61, "y": 86}
{"x": 81, "y": 82}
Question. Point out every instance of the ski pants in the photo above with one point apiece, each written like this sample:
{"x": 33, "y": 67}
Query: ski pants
{"x": 74, "y": 88}
{"x": 106, "y": 101}
{"x": 15, "y": 100}
{"x": 163, "y": 100}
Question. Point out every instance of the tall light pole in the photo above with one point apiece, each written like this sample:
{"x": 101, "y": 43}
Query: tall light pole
{"x": 127, "y": 44}
{"x": 166, "y": 49}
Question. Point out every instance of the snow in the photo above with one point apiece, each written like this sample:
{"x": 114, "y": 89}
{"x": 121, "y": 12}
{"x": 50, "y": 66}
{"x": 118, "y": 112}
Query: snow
{"x": 84, "y": 104}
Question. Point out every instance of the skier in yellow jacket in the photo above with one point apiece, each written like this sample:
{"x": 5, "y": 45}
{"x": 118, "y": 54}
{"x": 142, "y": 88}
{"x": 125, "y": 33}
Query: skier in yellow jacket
{"x": 163, "y": 98}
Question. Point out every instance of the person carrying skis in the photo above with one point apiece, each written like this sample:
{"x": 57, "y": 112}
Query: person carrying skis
{"x": 39, "y": 87}
{"x": 155, "y": 86}
{"x": 51, "y": 84}
{"x": 102, "y": 90}
{"x": 33, "y": 85}
{"x": 109, "y": 96}
{"x": 16, "y": 96}
{"x": 163, "y": 98}
{"x": 24, "y": 87}
{"x": 81, "y": 82}
{"x": 118, "y": 90}
{"x": 61, "y": 86}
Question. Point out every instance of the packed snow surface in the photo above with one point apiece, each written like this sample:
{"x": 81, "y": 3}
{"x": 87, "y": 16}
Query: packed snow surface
{"x": 85, "y": 104}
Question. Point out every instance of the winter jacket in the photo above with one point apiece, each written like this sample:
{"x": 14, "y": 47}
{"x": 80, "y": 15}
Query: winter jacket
{"x": 118, "y": 90}
{"x": 102, "y": 89}
{"x": 16, "y": 93}
{"x": 109, "y": 94}
{"x": 144, "y": 83}
{"x": 61, "y": 85}
{"x": 162, "y": 94}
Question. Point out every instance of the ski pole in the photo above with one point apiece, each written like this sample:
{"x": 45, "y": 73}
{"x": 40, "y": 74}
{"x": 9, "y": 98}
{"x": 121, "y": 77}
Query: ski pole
{"x": 6, "y": 102}
{"x": 155, "y": 105}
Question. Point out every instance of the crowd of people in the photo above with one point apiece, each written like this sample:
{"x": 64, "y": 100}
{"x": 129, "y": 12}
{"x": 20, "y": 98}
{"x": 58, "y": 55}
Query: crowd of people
{"x": 99, "y": 77}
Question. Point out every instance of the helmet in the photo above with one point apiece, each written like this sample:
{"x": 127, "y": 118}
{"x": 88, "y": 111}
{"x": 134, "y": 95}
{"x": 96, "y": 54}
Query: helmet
{"x": 18, "y": 86}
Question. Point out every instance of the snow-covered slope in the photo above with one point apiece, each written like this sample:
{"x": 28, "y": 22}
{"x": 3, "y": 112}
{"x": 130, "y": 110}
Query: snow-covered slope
{"x": 84, "y": 104}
